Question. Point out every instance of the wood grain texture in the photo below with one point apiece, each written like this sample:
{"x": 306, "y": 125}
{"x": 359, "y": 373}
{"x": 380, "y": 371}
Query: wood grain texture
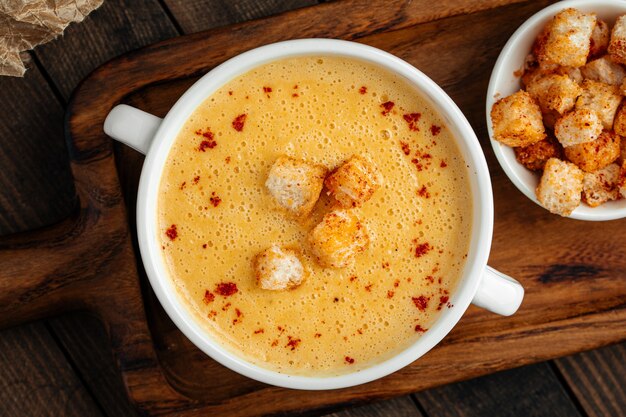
{"x": 598, "y": 379}
{"x": 536, "y": 394}
{"x": 43, "y": 384}
{"x": 86, "y": 345}
{"x": 397, "y": 407}
{"x": 196, "y": 15}
{"x": 116, "y": 27}
{"x": 179, "y": 379}
{"x": 36, "y": 187}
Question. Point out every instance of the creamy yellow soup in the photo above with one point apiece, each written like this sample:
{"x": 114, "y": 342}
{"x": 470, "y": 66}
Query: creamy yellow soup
{"x": 215, "y": 215}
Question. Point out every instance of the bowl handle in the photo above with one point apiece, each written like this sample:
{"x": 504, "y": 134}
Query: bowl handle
{"x": 498, "y": 293}
{"x": 132, "y": 126}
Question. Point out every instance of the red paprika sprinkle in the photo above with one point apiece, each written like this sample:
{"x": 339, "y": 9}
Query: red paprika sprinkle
{"x": 387, "y": 106}
{"x": 171, "y": 232}
{"x": 422, "y": 249}
{"x": 212, "y": 314}
{"x": 226, "y": 306}
{"x": 353, "y": 278}
{"x": 405, "y": 148}
{"x": 182, "y": 186}
{"x": 390, "y": 294}
{"x": 419, "y": 329}
{"x": 412, "y": 119}
{"x": 295, "y": 87}
{"x": 430, "y": 279}
{"x": 423, "y": 192}
{"x": 363, "y": 90}
{"x": 396, "y": 283}
{"x": 259, "y": 331}
{"x": 215, "y": 199}
{"x": 208, "y": 297}
{"x": 226, "y": 289}
{"x": 227, "y": 159}
{"x": 318, "y": 335}
{"x": 349, "y": 360}
{"x": 230, "y": 93}
{"x": 239, "y": 315}
{"x": 293, "y": 343}
{"x": 239, "y": 122}
{"x": 434, "y": 130}
{"x": 443, "y": 164}
{"x": 196, "y": 179}
{"x": 295, "y": 95}
{"x": 442, "y": 300}
{"x": 275, "y": 343}
{"x": 204, "y": 246}
{"x": 267, "y": 89}
{"x": 420, "y": 302}
{"x": 208, "y": 142}
{"x": 368, "y": 288}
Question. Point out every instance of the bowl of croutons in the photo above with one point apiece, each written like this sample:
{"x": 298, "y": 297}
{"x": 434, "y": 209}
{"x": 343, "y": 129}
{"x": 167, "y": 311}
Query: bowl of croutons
{"x": 556, "y": 112}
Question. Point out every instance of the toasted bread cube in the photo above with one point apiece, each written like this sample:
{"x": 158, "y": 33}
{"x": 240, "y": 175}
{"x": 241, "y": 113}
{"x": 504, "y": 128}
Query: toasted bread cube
{"x": 621, "y": 180}
{"x": 295, "y": 184}
{"x": 573, "y": 73}
{"x": 337, "y": 239}
{"x": 354, "y": 182}
{"x": 599, "y": 39}
{"x": 278, "y": 268}
{"x": 595, "y": 155}
{"x": 560, "y": 187}
{"x": 617, "y": 44}
{"x": 622, "y": 155}
{"x": 535, "y": 156}
{"x": 605, "y": 71}
{"x": 619, "y": 122}
{"x": 565, "y": 40}
{"x": 517, "y": 120}
{"x": 578, "y": 126}
{"x": 602, "y": 98}
{"x": 554, "y": 92}
{"x": 601, "y": 186}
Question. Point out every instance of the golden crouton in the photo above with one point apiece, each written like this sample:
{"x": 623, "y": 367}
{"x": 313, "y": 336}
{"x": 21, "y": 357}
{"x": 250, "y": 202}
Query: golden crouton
{"x": 617, "y": 44}
{"x": 565, "y": 40}
{"x": 619, "y": 122}
{"x": 602, "y": 98}
{"x": 601, "y": 186}
{"x": 354, "y": 182}
{"x": 573, "y": 73}
{"x": 599, "y": 39}
{"x": 604, "y": 70}
{"x": 278, "y": 268}
{"x": 595, "y": 155}
{"x": 337, "y": 239}
{"x": 621, "y": 180}
{"x": 517, "y": 120}
{"x": 578, "y": 126}
{"x": 560, "y": 187}
{"x": 295, "y": 184}
{"x": 535, "y": 156}
{"x": 554, "y": 92}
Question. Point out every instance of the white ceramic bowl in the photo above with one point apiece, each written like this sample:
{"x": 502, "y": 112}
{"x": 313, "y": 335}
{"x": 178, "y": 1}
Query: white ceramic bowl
{"x": 504, "y": 82}
{"x": 479, "y": 284}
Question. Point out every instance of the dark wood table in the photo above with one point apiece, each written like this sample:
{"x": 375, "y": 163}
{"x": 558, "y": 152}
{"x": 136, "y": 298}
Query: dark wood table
{"x": 63, "y": 366}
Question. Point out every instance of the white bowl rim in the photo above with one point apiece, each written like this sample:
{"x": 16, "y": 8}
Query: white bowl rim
{"x": 482, "y": 221}
{"x": 608, "y": 211}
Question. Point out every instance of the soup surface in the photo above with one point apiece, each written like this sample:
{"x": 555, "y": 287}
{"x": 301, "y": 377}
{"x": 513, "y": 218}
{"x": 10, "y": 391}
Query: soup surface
{"x": 215, "y": 214}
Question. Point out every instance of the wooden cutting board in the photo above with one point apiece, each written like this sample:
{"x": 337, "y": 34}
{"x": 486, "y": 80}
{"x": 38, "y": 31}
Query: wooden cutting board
{"x": 574, "y": 272}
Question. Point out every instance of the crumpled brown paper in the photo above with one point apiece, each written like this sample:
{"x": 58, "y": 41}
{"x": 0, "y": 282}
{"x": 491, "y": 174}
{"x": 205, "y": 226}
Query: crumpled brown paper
{"x": 25, "y": 24}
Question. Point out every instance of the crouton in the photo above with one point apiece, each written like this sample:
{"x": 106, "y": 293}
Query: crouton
{"x": 295, "y": 184}
{"x": 619, "y": 122}
{"x": 565, "y": 41}
{"x": 604, "y": 70}
{"x": 599, "y": 39}
{"x": 621, "y": 180}
{"x": 560, "y": 187}
{"x": 602, "y": 98}
{"x": 354, "y": 182}
{"x": 337, "y": 239}
{"x": 517, "y": 120}
{"x": 278, "y": 268}
{"x": 573, "y": 73}
{"x": 578, "y": 126}
{"x": 601, "y": 186}
{"x": 535, "y": 156}
{"x": 554, "y": 92}
{"x": 622, "y": 155}
{"x": 617, "y": 44}
{"x": 595, "y": 155}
